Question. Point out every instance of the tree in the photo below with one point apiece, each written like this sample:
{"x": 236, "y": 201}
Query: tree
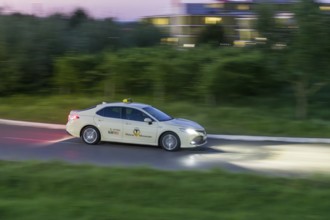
{"x": 212, "y": 34}
{"x": 78, "y": 17}
{"x": 143, "y": 34}
{"x": 236, "y": 75}
{"x": 270, "y": 28}
{"x": 77, "y": 74}
{"x": 308, "y": 59}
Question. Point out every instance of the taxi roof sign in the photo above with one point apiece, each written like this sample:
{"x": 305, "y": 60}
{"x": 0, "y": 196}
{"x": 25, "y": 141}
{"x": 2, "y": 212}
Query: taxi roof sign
{"x": 128, "y": 100}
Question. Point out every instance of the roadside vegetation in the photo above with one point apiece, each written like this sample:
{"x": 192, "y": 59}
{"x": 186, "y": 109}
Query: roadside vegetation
{"x": 54, "y": 64}
{"x": 252, "y": 119}
{"x": 58, "y": 191}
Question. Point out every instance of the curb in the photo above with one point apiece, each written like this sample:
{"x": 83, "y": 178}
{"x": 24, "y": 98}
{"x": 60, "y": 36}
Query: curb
{"x": 214, "y": 136}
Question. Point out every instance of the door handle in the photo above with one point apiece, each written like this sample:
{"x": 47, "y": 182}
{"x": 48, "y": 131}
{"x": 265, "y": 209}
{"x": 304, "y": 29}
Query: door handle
{"x": 127, "y": 123}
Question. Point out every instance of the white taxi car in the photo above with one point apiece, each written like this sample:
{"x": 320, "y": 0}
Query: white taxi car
{"x": 135, "y": 123}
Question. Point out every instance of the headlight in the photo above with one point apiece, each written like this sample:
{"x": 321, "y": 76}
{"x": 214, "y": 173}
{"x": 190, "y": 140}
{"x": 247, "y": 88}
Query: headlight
{"x": 189, "y": 131}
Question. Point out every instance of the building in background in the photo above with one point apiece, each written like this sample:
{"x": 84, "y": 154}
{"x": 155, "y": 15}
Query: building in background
{"x": 236, "y": 17}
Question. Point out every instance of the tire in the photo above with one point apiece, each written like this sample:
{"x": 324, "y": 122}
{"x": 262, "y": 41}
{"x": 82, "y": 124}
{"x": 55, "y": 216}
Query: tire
{"x": 90, "y": 135}
{"x": 170, "y": 141}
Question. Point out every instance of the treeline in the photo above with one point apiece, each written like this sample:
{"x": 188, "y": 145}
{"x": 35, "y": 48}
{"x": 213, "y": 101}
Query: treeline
{"x": 77, "y": 54}
{"x": 29, "y": 45}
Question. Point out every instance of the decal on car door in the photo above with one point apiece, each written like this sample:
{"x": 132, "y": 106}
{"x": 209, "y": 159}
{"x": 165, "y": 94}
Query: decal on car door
{"x": 114, "y": 131}
{"x": 137, "y": 133}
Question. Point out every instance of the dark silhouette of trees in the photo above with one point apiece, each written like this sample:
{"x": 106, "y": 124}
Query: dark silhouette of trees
{"x": 212, "y": 34}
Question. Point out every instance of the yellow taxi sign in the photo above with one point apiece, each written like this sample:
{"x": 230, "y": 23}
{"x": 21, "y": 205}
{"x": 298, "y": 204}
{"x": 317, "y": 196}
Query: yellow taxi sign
{"x": 128, "y": 100}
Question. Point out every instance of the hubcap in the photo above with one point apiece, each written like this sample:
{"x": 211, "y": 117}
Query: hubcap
{"x": 90, "y": 135}
{"x": 170, "y": 142}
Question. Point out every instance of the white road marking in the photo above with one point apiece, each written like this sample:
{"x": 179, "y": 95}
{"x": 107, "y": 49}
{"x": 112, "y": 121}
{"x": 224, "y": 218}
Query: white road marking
{"x": 31, "y": 124}
{"x": 62, "y": 140}
{"x": 26, "y": 139}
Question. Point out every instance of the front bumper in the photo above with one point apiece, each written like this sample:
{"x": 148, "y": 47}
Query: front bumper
{"x": 196, "y": 140}
{"x": 199, "y": 141}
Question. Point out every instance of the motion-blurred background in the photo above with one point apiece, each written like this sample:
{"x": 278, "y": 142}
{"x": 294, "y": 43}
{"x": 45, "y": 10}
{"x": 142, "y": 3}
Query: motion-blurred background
{"x": 255, "y": 65}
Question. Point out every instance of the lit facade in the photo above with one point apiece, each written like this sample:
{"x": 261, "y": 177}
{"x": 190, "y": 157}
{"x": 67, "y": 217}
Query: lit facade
{"x": 237, "y": 19}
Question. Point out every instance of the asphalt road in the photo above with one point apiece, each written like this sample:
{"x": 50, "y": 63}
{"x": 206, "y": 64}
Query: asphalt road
{"x": 267, "y": 157}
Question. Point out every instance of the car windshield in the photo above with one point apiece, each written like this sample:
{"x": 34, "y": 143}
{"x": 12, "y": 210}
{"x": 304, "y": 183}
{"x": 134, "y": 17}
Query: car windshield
{"x": 159, "y": 115}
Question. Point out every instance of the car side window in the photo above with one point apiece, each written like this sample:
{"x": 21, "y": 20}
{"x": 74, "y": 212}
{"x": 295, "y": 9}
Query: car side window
{"x": 110, "y": 112}
{"x": 134, "y": 114}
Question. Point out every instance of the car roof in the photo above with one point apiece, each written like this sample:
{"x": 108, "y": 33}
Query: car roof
{"x": 122, "y": 104}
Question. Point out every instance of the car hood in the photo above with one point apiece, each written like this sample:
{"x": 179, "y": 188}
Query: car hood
{"x": 180, "y": 122}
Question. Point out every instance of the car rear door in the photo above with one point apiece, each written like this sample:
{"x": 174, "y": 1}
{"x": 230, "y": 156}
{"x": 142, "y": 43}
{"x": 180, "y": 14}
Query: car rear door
{"x": 109, "y": 122}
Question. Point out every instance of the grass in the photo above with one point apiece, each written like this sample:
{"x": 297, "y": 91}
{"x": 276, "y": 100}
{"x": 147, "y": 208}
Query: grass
{"x": 260, "y": 119}
{"x": 52, "y": 191}
{"x": 59, "y": 191}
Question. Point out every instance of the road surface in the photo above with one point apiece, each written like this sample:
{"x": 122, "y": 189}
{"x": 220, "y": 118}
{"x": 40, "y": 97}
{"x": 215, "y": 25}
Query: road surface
{"x": 27, "y": 142}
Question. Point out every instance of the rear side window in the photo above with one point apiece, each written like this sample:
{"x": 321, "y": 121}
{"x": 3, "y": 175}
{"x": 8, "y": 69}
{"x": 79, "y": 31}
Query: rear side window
{"x": 110, "y": 112}
{"x": 134, "y": 114}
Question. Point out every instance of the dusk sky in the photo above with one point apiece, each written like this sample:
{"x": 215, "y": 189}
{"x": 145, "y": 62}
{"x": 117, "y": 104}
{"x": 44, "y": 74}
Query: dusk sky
{"x": 124, "y": 10}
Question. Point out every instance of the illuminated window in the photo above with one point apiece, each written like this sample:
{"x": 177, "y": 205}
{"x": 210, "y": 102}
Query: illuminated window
{"x": 170, "y": 39}
{"x": 212, "y": 20}
{"x": 325, "y": 8}
{"x": 215, "y": 5}
{"x": 239, "y": 43}
{"x": 246, "y": 34}
{"x": 243, "y": 7}
{"x": 160, "y": 21}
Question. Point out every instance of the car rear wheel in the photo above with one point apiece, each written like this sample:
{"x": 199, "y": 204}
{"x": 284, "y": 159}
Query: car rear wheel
{"x": 90, "y": 135}
{"x": 170, "y": 141}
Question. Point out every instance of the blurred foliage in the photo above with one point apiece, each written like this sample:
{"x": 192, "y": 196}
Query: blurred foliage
{"x": 212, "y": 34}
{"x": 305, "y": 59}
{"x": 168, "y": 73}
{"x": 270, "y": 26}
{"x": 29, "y": 45}
{"x": 308, "y": 58}
{"x": 144, "y": 35}
{"x": 77, "y": 54}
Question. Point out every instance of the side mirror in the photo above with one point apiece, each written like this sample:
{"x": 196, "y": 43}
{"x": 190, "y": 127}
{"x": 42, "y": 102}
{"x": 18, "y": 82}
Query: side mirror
{"x": 148, "y": 120}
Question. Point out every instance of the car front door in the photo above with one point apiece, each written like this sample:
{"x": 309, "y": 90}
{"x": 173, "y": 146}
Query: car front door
{"x": 136, "y": 130}
{"x": 110, "y": 124}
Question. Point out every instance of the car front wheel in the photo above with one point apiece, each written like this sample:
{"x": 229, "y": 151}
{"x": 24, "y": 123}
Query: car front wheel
{"x": 90, "y": 135}
{"x": 170, "y": 141}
